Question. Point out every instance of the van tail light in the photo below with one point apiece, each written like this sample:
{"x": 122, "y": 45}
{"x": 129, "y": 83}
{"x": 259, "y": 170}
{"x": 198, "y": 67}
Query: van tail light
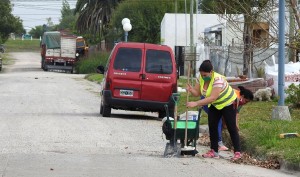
{"x": 107, "y": 84}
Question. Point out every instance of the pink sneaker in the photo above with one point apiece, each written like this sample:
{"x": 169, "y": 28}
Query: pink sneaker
{"x": 223, "y": 148}
{"x": 211, "y": 154}
{"x": 237, "y": 155}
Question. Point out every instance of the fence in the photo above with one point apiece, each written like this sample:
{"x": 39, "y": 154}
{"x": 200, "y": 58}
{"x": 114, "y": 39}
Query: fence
{"x": 229, "y": 61}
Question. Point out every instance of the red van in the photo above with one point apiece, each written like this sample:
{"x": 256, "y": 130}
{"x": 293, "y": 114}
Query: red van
{"x": 139, "y": 77}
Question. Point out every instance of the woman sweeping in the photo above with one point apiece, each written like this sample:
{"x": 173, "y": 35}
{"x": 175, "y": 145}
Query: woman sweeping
{"x": 219, "y": 96}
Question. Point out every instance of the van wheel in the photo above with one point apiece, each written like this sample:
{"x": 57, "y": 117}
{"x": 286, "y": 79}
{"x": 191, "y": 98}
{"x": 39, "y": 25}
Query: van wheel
{"x": 73, "y": 71}
{"x": 101, "y": 108}
{"x": 106, "y": 111}
{"x": 161, "y": 114}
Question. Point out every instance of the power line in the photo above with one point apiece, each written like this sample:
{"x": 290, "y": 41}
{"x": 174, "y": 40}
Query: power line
{"x": 40, "y": 1}
{"x": 38, "y": 14}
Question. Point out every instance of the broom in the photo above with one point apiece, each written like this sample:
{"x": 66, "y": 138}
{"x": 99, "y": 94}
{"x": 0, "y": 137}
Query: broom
{"x": 187, "y": 148}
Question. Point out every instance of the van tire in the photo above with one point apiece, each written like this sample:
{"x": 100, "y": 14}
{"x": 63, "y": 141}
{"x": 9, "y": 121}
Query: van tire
{"x": 101, "y": 109}
{"x": 106, "y": 111}
{"x": 162, "y": 114}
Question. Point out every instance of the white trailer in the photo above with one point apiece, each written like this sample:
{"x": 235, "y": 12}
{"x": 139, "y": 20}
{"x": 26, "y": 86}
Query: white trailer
{"x": 58, "y": 51}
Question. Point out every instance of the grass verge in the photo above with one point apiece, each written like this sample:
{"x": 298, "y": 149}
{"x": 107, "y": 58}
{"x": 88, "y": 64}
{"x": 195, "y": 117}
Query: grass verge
{"x": 19, "y": 45}
{"x": 94, "y": 77}
{"x": 89, "y": 64}
{"x": 259, "y": 134}
{"x": 6, "y": 59}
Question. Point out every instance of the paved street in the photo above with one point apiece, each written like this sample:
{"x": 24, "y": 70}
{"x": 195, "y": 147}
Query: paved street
{"x": 51, "y": 127}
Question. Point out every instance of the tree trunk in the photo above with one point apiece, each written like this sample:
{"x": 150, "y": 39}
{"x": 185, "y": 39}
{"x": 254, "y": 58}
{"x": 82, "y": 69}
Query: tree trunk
{"x": 247, "y": 38}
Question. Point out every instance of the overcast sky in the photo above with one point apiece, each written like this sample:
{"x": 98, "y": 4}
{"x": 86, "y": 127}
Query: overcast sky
{"x": 35, "y": 12}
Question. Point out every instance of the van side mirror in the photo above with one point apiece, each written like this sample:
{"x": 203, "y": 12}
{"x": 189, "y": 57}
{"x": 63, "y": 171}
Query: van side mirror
{"x": 100, "y": 69}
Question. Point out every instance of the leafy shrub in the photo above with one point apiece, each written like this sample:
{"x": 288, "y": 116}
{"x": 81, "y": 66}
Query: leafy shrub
{"x": 89, "y": 64}
{"x": 293, "y": 97}
{"x": 260, "y": 71}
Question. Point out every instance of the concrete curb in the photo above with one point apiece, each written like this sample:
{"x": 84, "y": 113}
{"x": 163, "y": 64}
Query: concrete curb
{"x": 288, "y": 166}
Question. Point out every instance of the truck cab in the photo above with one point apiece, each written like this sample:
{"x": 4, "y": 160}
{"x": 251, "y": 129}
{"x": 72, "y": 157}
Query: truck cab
{"x": 81, "y": 47}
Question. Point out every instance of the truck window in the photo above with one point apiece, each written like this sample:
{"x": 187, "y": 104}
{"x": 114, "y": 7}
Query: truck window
{"x": 158, "y": 62}
{"x": 128, "y": 59}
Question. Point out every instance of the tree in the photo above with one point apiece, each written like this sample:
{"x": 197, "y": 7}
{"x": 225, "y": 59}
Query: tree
{"x": 67, "y": 20}
{"x": 94, "y": 16}
{"x": 37, "y": 31}
{"x": 49, "y": 22}
{"x": 145, "y": 17}
{"x": 251, "y": 18}
{"x": 8, "y": 22}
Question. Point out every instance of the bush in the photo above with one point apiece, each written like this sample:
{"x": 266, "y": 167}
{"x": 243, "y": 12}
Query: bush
{"x": 89, "y": 64}
{"x": 293, "y": 97}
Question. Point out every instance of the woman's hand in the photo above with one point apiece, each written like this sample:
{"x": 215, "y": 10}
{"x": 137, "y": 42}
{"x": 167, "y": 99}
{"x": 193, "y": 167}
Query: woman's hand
{"x": 195, "y": 91}
{"x": 191, "y": 104}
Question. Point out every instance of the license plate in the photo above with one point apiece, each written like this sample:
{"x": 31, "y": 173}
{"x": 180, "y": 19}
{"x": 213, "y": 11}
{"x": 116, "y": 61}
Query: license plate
{"x": 60, "y": 61}
{"x": 126, "y": 92}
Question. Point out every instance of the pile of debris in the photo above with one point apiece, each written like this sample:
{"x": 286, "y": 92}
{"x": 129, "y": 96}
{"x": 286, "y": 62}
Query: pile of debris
{"x": 246, "y": 158}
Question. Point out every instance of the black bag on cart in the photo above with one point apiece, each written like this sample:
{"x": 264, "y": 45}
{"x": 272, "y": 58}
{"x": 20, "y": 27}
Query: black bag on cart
{"x": 167, "y": 129}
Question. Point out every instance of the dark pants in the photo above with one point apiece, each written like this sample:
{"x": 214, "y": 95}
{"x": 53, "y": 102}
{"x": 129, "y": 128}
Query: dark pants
{"x": 220, "y": 125}
{"x": 229, "y": 115}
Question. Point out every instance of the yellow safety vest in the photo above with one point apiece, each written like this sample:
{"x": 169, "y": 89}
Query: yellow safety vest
{"x": 226, "y": 97}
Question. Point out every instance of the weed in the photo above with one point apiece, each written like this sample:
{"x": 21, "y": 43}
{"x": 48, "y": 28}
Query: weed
{"x": 260, "y": 72}
{"x": 293, "y": 97}
{"x": 19, "y": 45}
{"x": 89, "y": 64}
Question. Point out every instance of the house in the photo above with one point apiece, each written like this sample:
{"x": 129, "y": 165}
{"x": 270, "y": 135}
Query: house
{"x": 175, "y": 32}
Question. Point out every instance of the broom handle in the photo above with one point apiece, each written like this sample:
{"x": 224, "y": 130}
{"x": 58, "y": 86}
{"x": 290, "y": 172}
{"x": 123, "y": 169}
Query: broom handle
{"x": 176, "y": 100}
{"x": 187, "y": 100}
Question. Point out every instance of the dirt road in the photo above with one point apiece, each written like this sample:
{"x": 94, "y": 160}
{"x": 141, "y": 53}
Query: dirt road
{"x": 50, "y": 126}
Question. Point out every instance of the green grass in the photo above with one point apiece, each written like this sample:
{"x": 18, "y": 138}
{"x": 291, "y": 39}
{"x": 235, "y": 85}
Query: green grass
{"x": 94, "y": 77}
{"x": 89, "y": 64}
{"x": 259, "y": 134}
{"x": 19, "y": 45}
{"x": 6, "y": 59}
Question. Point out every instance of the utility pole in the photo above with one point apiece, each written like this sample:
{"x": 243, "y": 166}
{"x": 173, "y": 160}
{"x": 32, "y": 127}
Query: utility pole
{"x": 192, "y": 51}
{"x": 281, "y": 112}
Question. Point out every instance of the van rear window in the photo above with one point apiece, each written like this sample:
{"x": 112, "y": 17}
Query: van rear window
{"x": 159, "y": 62}
{"x": 128, "y": 59}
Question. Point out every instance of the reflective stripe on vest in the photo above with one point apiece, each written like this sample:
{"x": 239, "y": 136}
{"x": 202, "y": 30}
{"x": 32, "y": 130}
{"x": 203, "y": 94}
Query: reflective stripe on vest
{"x": 226, "y": 97}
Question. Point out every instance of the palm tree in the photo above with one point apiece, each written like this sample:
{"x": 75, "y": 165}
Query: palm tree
{"x": 94, "y": 15}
